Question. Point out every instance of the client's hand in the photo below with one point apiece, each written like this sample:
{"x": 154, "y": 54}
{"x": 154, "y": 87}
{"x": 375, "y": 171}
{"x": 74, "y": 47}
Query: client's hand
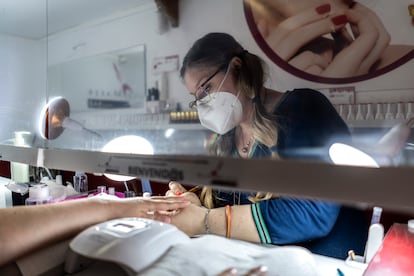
{"x": 160, "y": 207}
{"x": 190, "y": 219}
{"x": 257, "y": 271}
{"x": 177, "y": 189}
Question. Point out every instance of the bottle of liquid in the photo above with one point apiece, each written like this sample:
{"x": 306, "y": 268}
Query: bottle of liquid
{"x": 80, "y": 182}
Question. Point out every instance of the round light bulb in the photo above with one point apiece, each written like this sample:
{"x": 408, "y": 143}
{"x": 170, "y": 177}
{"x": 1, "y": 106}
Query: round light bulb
{"x": 342, "y": 154}
{"x": 127, "y": 144}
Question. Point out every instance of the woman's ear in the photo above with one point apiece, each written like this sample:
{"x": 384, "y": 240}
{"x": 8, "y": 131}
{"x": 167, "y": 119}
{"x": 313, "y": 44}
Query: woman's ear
{"x": 236, "y": 63}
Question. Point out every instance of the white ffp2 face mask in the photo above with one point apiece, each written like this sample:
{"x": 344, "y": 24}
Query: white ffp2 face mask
{"x": 222, "y": 113}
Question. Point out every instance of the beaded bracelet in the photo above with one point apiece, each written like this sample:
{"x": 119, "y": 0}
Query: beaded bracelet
{"x": 207, "y": 229}
{"x": 228, "y": 221}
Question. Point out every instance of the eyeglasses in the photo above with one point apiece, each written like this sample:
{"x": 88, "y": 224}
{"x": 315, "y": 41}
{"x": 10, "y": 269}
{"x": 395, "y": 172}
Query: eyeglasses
{"x": 202, "y": 94}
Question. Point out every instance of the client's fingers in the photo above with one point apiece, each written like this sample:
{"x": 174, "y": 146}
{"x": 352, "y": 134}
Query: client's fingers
{"x": 257, "y": 271}
{"x": 170, "y": 193}
{"x": 177, "y": 188}
{"x": 165, "y": 204}
{"x": 228, "y": 272}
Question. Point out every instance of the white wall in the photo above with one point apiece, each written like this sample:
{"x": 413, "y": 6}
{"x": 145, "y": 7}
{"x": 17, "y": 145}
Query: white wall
{"x": 22, "y": 83}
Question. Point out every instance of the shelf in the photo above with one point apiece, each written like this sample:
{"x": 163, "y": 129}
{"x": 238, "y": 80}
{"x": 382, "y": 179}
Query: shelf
{"x": 129, "y": 119}
{"x": 372, "y": 123}
{"x": 345, "y": 184}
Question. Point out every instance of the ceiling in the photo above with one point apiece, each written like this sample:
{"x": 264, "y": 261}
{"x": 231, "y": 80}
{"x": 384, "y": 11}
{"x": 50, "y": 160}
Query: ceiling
{"x": 34, "y": 18}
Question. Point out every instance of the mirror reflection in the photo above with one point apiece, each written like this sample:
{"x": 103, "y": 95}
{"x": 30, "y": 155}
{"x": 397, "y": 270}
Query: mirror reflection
{"x": 106, "y": 81}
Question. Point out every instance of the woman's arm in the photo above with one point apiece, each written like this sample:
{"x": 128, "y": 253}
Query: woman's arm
{"x": 194, "y": 221}
{"x": 26, "y": 228}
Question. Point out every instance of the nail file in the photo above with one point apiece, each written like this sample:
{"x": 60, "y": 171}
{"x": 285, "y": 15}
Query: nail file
{"x": 375, "y": 238}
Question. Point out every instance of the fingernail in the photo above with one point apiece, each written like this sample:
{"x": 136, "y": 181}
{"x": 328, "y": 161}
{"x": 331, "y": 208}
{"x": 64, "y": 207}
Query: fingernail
{"x": 339, "y": 20}
{"x": 233, "y": 271}
{"x": 322, "y": 9}
{"x": 263, "y": 268}
{"x": 178, "y": 193}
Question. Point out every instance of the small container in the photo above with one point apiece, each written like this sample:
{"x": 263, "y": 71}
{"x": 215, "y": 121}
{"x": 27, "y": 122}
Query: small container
{"x": 129, "y": 194}
{"x": 111, "y": 190}
{"x": 101, "y": 189}
{"x": 80, "y": 182}
{"x": 38, "y": 194}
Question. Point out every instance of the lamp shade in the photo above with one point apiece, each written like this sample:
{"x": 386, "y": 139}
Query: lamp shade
{"x": 343, "y": 154}
{"x": 377, "y": 154}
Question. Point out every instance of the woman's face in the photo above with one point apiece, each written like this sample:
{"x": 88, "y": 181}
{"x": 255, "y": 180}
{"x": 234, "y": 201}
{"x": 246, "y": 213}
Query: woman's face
{"x": 202, "y": 81}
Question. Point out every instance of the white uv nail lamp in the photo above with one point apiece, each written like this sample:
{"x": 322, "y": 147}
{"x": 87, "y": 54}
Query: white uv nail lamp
{"x": 132, "y": 243}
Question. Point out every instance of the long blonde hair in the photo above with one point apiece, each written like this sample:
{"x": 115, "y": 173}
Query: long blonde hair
{"x": 214, "y": 50}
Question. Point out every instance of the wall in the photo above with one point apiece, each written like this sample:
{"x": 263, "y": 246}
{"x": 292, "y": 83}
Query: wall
{"x": 22, "y": 83}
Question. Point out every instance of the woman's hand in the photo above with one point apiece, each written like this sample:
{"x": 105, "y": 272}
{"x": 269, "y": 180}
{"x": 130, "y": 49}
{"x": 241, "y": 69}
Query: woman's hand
{"x": 190, "y": 219}
{"x": 371, "y": 39}
{"x": 176, "y": 189}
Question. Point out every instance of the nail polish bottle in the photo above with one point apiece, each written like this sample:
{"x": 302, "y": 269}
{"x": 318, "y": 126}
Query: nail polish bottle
{"x": 400, "y": 114}
{"x": 379, "y": 114}
{"x": 350, "y": 115}
{"x": 370, "y": 114}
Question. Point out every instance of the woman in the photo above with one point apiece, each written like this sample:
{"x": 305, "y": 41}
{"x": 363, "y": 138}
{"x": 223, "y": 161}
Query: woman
{"x": 252, "y": 121}
{"x": 331, "y": 38}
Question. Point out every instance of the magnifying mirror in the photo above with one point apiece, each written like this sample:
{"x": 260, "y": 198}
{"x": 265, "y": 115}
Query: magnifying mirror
{"x": 54, "y": 118}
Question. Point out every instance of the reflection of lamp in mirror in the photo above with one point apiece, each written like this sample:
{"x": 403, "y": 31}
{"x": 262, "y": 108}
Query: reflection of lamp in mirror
{"x": 129, "y": 144}
{"x": 54, "y": 118}
{"x": 380, "y": 154}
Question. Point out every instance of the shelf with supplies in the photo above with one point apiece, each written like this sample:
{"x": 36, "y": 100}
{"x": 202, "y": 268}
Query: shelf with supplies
{"x": 375, "y": 115}
{"x": 132, "y": 119}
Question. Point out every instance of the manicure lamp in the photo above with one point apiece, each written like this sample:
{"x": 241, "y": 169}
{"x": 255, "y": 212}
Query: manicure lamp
{"x": 129, "y": 144}
{"x": 54, "y": 118}
{"x": 381, "y": 153}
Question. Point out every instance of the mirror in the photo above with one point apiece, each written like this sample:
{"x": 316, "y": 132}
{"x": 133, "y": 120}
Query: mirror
{"x": 105, "y": 56}
{"x": 106, "y": 81}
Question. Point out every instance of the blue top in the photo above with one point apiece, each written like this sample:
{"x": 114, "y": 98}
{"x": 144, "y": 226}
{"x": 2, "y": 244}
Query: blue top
{"x": 308, "y": 124}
